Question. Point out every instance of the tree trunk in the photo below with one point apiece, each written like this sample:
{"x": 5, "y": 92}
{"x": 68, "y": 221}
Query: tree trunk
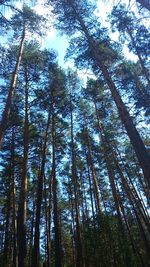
{"x": 6, "y": 112}
{"x": 73, "y": 223}
{"x": 79, "y": 256}
{"x": 94, "y": 176}
{"x": 108, "y": 164}
{"x": 58, "y": 256}
{"x": 91, "y": 193}
{"x": 15, "y": 245}
{"x": 48, "y": 211}
{"x": 21, "y": 220}
{"x": 6, "y": 254}
{"x": 32, "y": 230}
{"x": 36, "y": 246}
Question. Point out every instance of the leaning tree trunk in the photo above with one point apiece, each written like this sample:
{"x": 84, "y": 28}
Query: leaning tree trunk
{"x": 21, "y": 220}
{"x": 136, "y": 141}
{"x": 6, "y": 112}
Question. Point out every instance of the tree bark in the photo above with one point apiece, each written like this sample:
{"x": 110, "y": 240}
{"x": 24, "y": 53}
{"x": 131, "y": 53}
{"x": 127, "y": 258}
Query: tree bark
{"x": 73, "y": 223}
{"x": 79, "y": 249}
{"x": 32, "y": 230}
{"x": 36, "y": 245}
{"x": 94, "y": 176}
{"x": 6, "y": 256}
{"x": 58, "y": 254}
{"x": 21, "y": 220}
{"x": 48, "y": 211}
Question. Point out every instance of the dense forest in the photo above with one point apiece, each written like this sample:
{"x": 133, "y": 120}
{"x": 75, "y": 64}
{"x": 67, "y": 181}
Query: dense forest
{"x": 75, "y": 152}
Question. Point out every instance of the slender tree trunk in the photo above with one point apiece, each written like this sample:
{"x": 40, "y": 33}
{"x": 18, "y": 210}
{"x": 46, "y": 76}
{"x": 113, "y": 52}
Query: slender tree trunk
{"x": 6, "y": 254}
{"x": 91, "y": 194}
{"x": 132, "y": 132}
{"x": 22, "y": 209}
{"x": 73, "y": 223}
{"x": 58, "y": 258}
{"x": 32, "y": 230}
{"x": 15, "y": 245}
{"x": 6, "y": 112}
{"x": 95, "y": 181}
{"x": 36, "y": 246}
{"x": 48, "y": 211}
{"x": 108, "y": 164}
{"x": 84, "y": 198}
{"x": 79, "y": 250}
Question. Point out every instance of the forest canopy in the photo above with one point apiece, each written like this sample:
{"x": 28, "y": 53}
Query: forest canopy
{"x": 74, "y": 133}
